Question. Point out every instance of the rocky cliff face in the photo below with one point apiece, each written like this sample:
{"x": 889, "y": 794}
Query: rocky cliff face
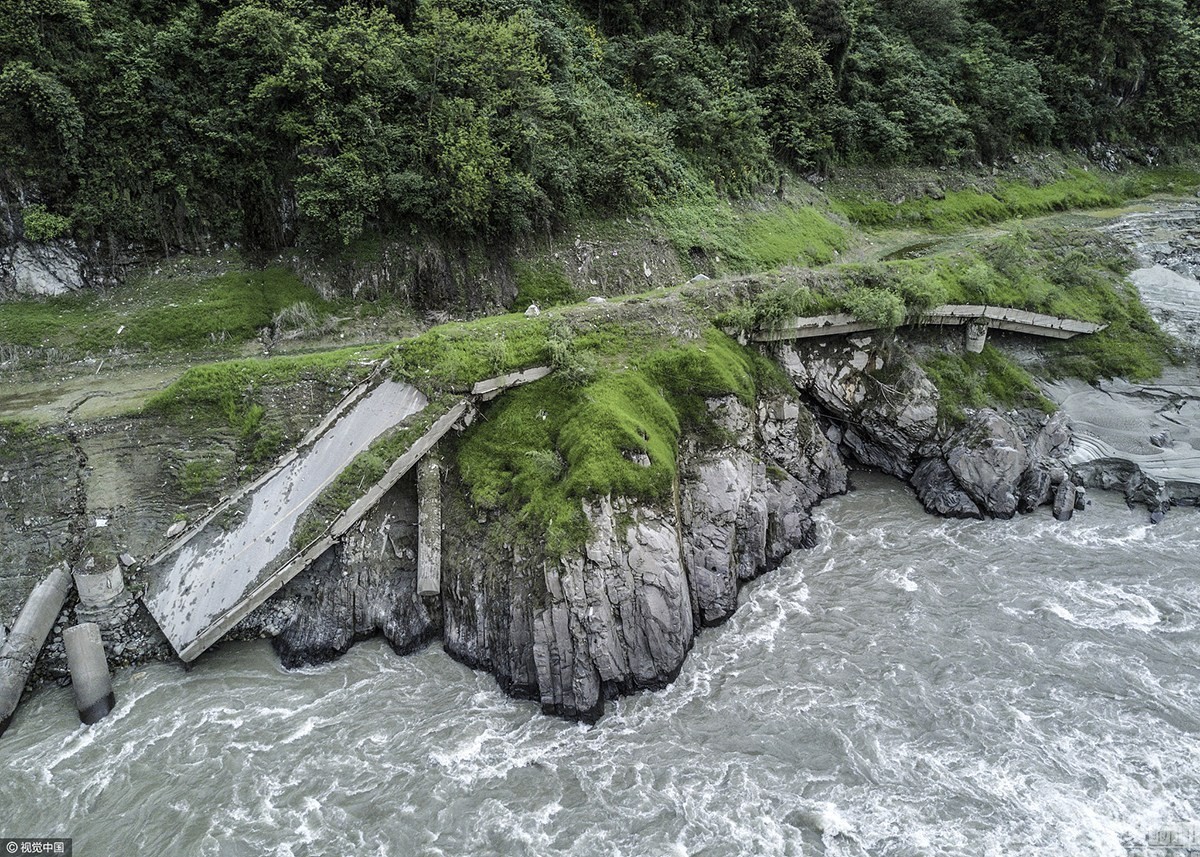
{"x": 882, "y": 411}
{"x": 621, "y": 615}
{"x": 878, "y": 403}
{"x": 43, "y": 270}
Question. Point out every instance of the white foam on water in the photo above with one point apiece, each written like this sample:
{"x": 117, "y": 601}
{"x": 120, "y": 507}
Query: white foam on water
{"x": 902, "y": 579}
{"x": 1105, "y": 606}
{"x": 1062, "y": 613}
{"x": 304, "y": 730}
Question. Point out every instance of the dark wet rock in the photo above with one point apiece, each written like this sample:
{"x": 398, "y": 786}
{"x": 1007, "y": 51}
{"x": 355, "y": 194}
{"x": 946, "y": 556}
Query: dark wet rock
{"x": 1128, "y": 477}
{"x": 940, "y": 493}
{"x": 621, "y": 615}
{"x": 741, "y": 511}
{"x": 1064, "y": 501}
{"x": 365, "y": 586}
{"x": 618, "y": 619}
{"x": 987, "y": 458}
{"x": 1036, "y": 487}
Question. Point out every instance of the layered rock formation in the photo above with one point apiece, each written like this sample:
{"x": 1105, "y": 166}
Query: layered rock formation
{"x": 621, "y": 615}
{"x": 881, "y": 409}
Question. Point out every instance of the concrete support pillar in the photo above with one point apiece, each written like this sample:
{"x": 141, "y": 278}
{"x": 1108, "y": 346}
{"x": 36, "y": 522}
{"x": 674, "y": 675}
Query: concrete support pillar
{"x": 102, "y": 589}
{"x": 977, "y": 332}
{"x": 28, "y": 635}
{"x": 89, "y": 672}
{"x": 429, "y": 524}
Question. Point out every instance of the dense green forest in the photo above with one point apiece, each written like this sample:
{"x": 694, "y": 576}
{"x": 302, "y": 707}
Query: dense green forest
{"x": 177, "y": 122}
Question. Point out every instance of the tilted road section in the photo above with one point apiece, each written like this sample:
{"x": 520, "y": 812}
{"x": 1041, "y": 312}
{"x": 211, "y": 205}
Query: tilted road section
{"x": 215, "y": 574}
{"x": 202, "y": 582}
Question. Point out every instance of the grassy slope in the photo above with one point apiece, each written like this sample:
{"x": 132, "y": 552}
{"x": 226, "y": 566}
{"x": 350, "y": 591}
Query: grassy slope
{"x": 202, "y": 311}
{"x": 1003, "y": 199}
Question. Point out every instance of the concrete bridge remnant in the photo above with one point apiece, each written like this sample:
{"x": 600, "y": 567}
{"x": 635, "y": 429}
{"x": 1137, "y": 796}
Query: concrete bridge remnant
{"x": 28, "y": 636}
{"x": 979, "y": 319}
{"x": 211, "y": 577}
{"x": 94, "y": 697}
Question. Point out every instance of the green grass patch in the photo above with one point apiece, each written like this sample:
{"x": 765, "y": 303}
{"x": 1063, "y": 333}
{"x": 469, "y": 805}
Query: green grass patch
{"x": 453, "y": 357}
{"x": 1132, "y": 346}
{"x": 1080, "y": 189}
{"x": 200, "y": 477}
{"x": 713, "y": 235}
{"x": 1078, "y": 274}
{"x": 961, "y": 208}
{"x": 230, "y": 395}
{"x": 542, "y": 450}
{"x": 1159, "y": 180}
{"x": 158, "y": 314}
{"x": 225, "y": 389}
{"x": 26, "y": 437}
{"x": 981, "y": 380}
{"x": 956, "y": 210}
{"x": 544, "y": 283}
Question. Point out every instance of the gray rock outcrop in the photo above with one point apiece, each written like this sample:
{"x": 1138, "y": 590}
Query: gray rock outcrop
{"x": 621, "y": 616}
{"x": 988, "y": 459}
{"x": 939, "y": 490}
{"x": 990, "y": 467}
{"x": 41, "y": 270}
{"x": 881, "y": 410}
{"x": 879, "y": 402}
{"x": 1065, "y": 500}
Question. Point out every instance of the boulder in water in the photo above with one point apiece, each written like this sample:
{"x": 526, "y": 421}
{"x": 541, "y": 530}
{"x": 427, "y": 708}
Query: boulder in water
{"x": 988, "y": 458}
{"x": 1064, "y": 501}
{"x": 1036, "y": 487}
{"x": 939, "y": 491}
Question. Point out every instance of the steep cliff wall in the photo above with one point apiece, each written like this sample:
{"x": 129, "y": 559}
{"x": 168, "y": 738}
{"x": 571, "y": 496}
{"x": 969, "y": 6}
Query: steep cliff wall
{"x": 621, "y": 615}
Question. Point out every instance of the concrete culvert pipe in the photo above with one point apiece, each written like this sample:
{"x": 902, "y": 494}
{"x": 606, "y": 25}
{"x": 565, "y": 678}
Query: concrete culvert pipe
{"x": 89, "y": 672}
{"x": 26, "y": 639}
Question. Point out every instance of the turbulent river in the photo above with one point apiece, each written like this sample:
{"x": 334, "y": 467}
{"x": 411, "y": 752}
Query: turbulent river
{"x": 909, "y": 687}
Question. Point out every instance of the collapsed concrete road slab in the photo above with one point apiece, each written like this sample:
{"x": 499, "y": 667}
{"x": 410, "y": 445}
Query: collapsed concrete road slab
{"x": 244, "y": 546}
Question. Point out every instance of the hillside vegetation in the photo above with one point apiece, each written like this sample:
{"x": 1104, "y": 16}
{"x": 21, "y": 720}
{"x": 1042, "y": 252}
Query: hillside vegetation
{"x": 183, "y": 123}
